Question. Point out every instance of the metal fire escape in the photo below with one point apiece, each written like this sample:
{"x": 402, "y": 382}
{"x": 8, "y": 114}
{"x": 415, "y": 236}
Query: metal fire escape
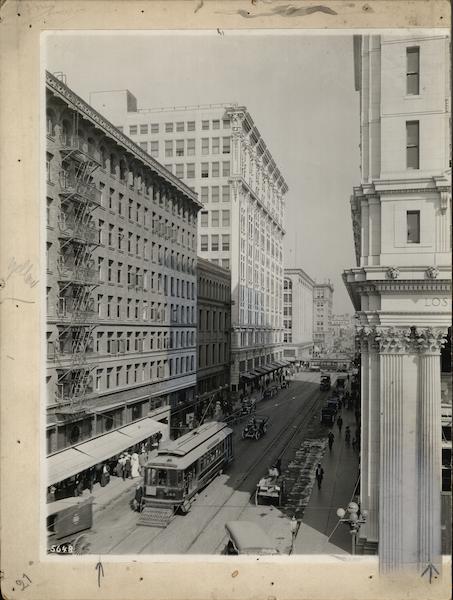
{"x": 77, "y": 274}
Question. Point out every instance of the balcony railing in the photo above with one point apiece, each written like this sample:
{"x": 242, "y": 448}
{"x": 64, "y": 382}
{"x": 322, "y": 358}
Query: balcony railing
{"x": 70, "y": 227}
{"x": 72, "y": 185}
{"x": 81, "y": 148}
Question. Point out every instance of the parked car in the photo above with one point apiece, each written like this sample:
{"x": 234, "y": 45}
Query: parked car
{"x": 246, "y": 537}
{"x": 325, "y": 383}
{"x": 328, "y": 416}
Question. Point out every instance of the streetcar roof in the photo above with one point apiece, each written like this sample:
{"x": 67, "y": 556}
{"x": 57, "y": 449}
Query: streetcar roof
{"x": 249, "y": 538}
{"x": 184, "y": 451}
{"x": 59, "y": 505}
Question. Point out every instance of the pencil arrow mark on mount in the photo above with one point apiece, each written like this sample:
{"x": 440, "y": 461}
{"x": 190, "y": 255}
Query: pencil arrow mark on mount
{"x": 430, "y": 568}
{"x": 100, "y": 570}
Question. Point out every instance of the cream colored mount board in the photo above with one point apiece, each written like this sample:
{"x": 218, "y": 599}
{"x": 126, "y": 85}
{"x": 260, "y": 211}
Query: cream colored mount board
{"x": 26, "y": 572}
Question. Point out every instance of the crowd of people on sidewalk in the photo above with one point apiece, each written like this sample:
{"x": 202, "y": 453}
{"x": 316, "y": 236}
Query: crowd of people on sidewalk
{"x": 127, "y": 465}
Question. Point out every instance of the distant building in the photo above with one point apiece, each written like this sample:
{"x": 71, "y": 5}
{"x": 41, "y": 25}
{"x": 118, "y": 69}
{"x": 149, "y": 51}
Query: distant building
{"x": 401, "y": 291}
{"x": 218, "y": 151}
{"x": 297, "y": 315}
{"x": 343, "y": 333}
{"x": 322, "y": 317}
{"x": 213, "y": 336}
{"x": 121, "y": 290}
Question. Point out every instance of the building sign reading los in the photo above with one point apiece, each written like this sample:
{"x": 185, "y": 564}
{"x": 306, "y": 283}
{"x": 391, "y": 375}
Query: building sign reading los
{"x": 436, "y": 302}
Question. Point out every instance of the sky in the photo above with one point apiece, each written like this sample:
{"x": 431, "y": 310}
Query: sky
{"x": 298, "y": 88}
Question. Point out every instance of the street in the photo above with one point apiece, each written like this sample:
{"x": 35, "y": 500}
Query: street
{"x": 294, "y": 417}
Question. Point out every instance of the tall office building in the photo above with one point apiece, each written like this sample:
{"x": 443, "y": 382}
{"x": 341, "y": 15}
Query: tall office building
{"x": 400, "y": 288}
{"x": 218, "y": 151}
{"x": 297, "y": 315}
{"x": 322, "y": 317}
{"x": 121, "y": 290}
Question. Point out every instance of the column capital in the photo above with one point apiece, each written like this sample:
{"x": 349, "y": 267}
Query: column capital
{"x": 367, "y": 338}
{"x": 395, "y": 340}
{"x": 430, "y": 339}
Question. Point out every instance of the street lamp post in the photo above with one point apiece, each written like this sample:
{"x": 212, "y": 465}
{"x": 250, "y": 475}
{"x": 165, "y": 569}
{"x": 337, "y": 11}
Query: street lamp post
{"x": 352, "y": 517}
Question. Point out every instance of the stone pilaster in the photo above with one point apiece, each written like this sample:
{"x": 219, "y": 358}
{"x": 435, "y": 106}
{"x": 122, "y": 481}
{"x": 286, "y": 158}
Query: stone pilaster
{"x": 364, "y": 411}
{"x": 373, "y": 439}
{"x": 429, "y": 447}
{"x": 393, "y": 345}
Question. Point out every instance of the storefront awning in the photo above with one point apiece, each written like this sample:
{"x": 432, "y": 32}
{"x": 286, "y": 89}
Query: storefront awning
{"x": 247, "y": 376}
{"x": 87, "y": 454}
{"x": 261, "y": 370}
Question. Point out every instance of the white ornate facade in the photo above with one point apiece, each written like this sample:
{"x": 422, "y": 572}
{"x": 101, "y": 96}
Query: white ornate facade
{"x": 401, "y": 289}
{"x": 218, "y": 152}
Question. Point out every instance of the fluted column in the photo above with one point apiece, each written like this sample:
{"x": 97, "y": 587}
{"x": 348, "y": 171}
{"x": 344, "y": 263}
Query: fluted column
{"x": 373, "y": 440}
{"x": 391, "y": 450}
{"x": 364, "y": 411}
{"x": 430, "y": 448}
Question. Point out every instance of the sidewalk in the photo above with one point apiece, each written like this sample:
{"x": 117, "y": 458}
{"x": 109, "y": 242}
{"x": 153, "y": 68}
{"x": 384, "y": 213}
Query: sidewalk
{"x": 103, "y": 496}
{"x": 341, "y": 467}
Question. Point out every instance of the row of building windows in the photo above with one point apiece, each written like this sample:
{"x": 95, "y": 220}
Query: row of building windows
{"x": 179, "y": 148}
{"x": 142, "y": 341}
{"x": 212, "y": 320}
{"x": 212, "y": 194}
{"x": 215, "y": 218}
{"x": 212, "y": 289}
{"x": 223, "y": 262}
{"x": 178, "y": 126}
{"x": 212, "y": 354}
{"x": 113, "y": 377}
{"x": 153, "y": 312}
{"x": 218, "y": 243}
{"x": 119, "y": 202}
{"x": 144, "y": 280}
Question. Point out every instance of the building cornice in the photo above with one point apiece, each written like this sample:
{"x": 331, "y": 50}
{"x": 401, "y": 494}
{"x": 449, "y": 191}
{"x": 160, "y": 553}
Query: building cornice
{"x": 76, "y": 103}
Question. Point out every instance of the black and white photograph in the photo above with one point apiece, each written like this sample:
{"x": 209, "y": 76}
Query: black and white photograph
{"x": 248, "y": 249}
{"x": 240, "y": 316}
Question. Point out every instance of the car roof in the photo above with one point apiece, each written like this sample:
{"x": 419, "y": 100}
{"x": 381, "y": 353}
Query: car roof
{"x": 249, "y": 538}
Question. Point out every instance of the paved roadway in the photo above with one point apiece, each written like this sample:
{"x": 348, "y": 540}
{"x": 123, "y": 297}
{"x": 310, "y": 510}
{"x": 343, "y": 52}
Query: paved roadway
{"x": 294, "y": 414}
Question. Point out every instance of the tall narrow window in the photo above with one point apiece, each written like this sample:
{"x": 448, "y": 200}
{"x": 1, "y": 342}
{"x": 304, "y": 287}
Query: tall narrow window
{"x": 412, "y": 145}
{"x": 413, "y": 226}
{"x": 413, "y": 71}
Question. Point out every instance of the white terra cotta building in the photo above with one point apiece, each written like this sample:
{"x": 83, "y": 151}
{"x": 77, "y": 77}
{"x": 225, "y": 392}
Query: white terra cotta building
{"x": 400, "y": 288}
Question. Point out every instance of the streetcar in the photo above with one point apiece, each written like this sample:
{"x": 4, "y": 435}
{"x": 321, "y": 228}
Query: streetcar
{"x": 181, "y": 469}
{"x": 67, "y": 519}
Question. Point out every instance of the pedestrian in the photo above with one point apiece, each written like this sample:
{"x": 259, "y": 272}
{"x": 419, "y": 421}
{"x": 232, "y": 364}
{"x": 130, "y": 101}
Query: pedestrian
{"x": 278, "y": 465}
{"x": 138, "y": 497}
{"x": 347, "y": 435}
{"x": 354, "y": 444}
{"x": 331, "y": 440}
{"x": 142, "y": 461}
{"x": 319, "y": 474}
{"x": 339, "y": 423}
{"x": 135, "y": 465}
{"x": 120, "y": 467}
{"x": 127, "y": 467}
{"x": 105, "y": 477}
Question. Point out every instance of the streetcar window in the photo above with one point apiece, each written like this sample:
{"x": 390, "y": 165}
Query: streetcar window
{"x": 151, "y": 477}
{"x": 162, "y": 477}
{"x": 173, "y": 478}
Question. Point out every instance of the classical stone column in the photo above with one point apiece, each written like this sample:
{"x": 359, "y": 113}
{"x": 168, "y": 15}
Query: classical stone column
{"x": 392, "y": 349}
{"x": 373, "y": 439}
{"x": 430, "y": 448}
{"x": 364, "y": 411}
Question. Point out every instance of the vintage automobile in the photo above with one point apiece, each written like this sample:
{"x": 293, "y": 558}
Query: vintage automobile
{"x": 255, "y": 428}
{"x": 324, "y": 383}
{"x": 66, "y": 520}
{"x": 328, "y": 416}
{"x": 248, "y": 406}
{"x": 271, "y": 487}
{"x": 245, "y": 537}
{"x": 270, "y": 392}
{"x": 341, "y": 382}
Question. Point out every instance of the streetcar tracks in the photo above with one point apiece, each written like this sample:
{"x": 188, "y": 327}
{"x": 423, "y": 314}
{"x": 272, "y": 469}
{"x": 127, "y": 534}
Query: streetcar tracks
{"x": 281, "y": 440}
